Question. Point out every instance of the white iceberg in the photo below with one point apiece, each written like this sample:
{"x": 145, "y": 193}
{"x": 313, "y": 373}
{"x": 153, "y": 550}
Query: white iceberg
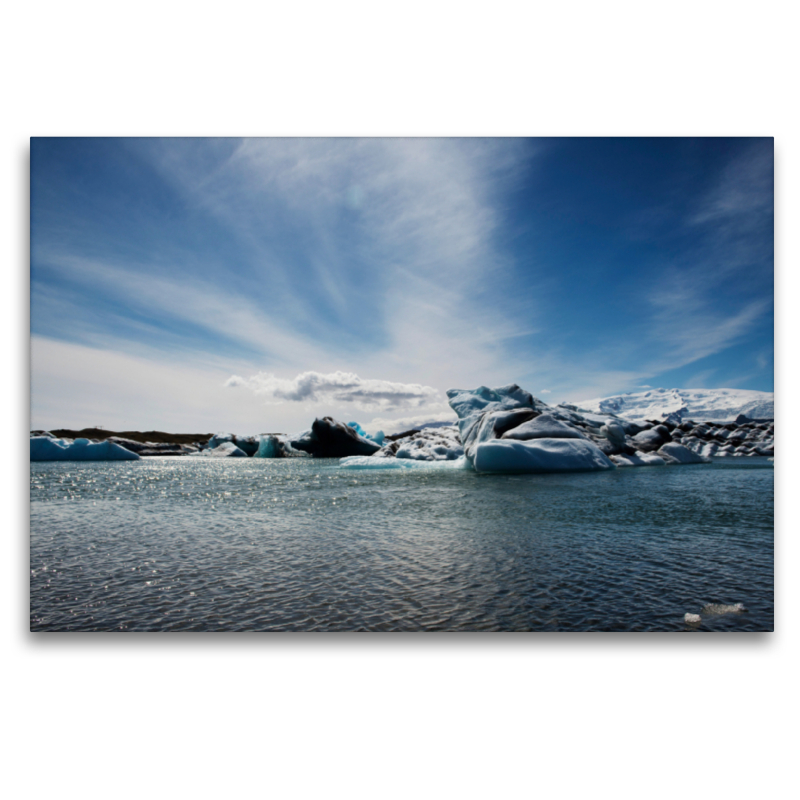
{"x": 224, "y": 450}
{"x": 429, "y": 444}
{"x": 639, "y": 459}
{"x": 47, "y": 448}
{"x": 674, "y": 453}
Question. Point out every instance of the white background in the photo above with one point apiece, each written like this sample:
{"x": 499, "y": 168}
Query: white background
{"x": 555, "y": 715}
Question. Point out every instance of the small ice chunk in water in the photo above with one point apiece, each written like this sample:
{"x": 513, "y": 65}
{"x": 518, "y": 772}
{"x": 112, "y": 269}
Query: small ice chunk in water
{"x": 691, "y": 619}
{"x": 722, "y": 608}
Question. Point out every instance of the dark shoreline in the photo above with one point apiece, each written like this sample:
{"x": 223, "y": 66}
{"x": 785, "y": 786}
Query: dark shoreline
{"x": 159, "y": 437}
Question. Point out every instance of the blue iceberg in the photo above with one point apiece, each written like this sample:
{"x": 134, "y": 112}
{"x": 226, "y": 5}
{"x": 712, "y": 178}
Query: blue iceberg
{"x": 378, "y": 438}
{"x": 48, "y": 448}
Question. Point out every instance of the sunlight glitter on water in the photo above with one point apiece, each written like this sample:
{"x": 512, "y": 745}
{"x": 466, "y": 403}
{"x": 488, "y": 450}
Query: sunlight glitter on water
{"x": 304, "y": 545}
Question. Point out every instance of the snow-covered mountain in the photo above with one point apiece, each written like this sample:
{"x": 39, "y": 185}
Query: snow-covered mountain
{"x": 721, "y": 405}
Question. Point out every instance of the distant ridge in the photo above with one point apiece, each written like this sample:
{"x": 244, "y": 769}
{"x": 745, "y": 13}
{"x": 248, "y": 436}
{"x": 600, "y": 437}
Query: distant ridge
{"x": 101, "y": 434}
{"x": 718, "y": 405}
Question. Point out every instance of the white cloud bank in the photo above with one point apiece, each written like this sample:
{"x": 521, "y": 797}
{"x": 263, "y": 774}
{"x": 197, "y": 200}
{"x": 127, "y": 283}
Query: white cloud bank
{"x": 337, "y": 388}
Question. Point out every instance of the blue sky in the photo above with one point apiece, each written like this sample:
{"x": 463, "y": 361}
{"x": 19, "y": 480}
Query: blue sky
{"x": 201, "y": 285}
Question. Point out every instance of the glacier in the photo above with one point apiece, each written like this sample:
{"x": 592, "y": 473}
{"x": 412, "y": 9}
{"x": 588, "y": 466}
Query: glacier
{"x": 676, "y": 405}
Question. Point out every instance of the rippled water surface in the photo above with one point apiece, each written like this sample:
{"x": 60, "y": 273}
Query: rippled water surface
{"x": 243, "y": 544}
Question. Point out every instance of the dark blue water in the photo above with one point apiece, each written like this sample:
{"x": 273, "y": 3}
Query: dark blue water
{"x": 168, "y": 544}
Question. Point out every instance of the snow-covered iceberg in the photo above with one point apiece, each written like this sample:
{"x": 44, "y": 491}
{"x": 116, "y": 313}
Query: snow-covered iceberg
{"x": 48, "y": 448}
{"x": 428, "y": 444}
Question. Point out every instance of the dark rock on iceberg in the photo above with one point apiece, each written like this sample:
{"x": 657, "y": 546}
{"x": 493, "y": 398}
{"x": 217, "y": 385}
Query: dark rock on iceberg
{"x": 331, "y": 439}
{"x": 151, "y": 448}
{"x": 650, "y": 440}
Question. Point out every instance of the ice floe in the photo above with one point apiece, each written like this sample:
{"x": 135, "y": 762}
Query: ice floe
{"x": 723, "y": 608}
{"x": 713, "y": 610}
{"x": 370, "y": 462}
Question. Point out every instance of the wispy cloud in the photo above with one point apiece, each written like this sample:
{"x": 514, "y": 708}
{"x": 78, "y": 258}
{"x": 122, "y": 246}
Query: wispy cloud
{"x": 690, "y": 328}
{"x": 744, "y": 190}
{"x": 396, "y": 259}
{"x": 338, "y": 388}
{"x": 398, "y": 424}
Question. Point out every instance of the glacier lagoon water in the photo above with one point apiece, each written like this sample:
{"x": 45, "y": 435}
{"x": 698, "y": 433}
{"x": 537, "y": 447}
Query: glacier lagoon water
{"x": 183, "y": 544}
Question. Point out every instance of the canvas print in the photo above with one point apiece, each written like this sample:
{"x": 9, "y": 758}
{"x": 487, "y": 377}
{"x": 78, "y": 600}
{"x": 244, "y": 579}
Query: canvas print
{"x": 420, "y": 385}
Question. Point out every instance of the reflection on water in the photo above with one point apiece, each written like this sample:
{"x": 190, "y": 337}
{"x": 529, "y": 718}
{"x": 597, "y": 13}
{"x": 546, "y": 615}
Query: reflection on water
{"x": 190, "y": 544}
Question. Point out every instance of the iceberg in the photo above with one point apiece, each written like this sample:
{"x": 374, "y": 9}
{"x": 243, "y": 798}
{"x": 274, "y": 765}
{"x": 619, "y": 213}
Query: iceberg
{"x": 539, "y": 455}
{"x": 331, "y": 439}
{"x": 545, "y": 426}
{"x": 48, "y": 448}
{"x": 247, "y": 444}
{"x": 224, "y": 450}
{"x": 508, "y": 430}
{"x": 652, "y": 439}
{"x": 437, "y": 444}
{"x": 270, "y": 446}
{"x": 480, "y": 411}
{"x": 638, "y": 459}
{"x": 674, "y": 453}
{"x": 378, "y": 438}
